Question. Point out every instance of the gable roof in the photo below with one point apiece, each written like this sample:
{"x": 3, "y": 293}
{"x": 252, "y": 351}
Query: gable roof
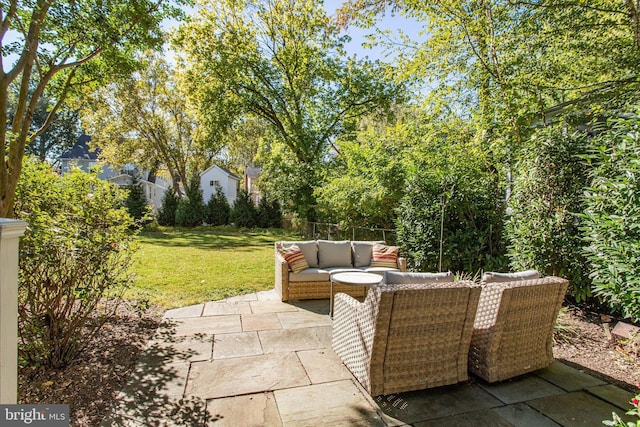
{"x": 226, "y": 171}
{"x": 81, "y": 150}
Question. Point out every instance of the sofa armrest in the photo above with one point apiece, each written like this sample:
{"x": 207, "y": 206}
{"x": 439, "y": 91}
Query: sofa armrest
{"x": 402, "y": 264}
{"x": 281, "y": 275}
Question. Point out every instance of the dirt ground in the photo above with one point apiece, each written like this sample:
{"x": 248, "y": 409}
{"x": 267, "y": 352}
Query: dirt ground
{"x": 90, "y": 383}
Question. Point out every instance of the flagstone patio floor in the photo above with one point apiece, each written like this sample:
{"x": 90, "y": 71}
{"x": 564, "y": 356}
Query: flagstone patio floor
{"x": 256, "y": 361}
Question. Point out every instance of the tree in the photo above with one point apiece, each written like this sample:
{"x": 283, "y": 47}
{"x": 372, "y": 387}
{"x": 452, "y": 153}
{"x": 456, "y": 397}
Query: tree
{"x": 144, "y": 119}
{"x": 268, "y": 213}
{"x": 62, "y": 47}
{"x": 218, "y": 209}
{"x": 365, "y": 184}
{"x": 167, "y": 212}
{"x": 61, "y": 133}
{"x": 283, "y": 62}
{"x": 136, "y": 202}
{"x": 450, "y": 217}
{"x": 191, "y": 210}
{"x": 517, "y": 63}
{"x": 243, "y": 211}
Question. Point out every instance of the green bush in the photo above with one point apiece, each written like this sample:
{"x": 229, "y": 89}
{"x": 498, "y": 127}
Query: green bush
{"x": 243, "y": 212}
{"x": 268, "y": 214}
{"x": 136, "y": 202}
{"x": 167, "y": 212}
{"x": 74, "y": 259}
{"x": 466, "y": 207}
{"x": 218, "y": 209}
{"x": 611, "y": 220}
{"x": 543, "y": 225}
{"x": 191, "y": 210}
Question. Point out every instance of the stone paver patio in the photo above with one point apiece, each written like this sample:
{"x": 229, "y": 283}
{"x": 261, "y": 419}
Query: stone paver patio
{"x": 255, "y": 361}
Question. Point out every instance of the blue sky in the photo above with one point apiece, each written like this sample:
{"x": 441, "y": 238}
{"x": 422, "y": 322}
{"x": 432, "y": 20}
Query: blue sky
{"x": 392, "y": 22}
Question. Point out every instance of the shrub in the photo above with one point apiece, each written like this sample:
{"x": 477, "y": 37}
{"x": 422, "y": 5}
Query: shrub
{"x": 136, "y": 202}
{"x": 543, "y": 225}
{"x": 611, "y": 220}
{"x": 466, "y": 207}
{"x": 218, "y": 209}
{"x": 73, "y": 260}
{"x": 191, "y": 210}
{"x": 167, "y": 212}
{"x": 268, "y": 213}
{"x": 243, "y": 212}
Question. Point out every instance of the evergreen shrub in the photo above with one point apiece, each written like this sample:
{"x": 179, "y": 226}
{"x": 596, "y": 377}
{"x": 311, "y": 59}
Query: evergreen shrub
{"x": 243, "y": 211}
{"x": 543, "y": 224}
{"x": 611, "y": 220}
{"x": 218, "y": 209}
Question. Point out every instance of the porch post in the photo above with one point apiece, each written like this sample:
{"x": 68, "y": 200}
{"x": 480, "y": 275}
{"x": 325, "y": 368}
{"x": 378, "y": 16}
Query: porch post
{"x": 10, "y": 232}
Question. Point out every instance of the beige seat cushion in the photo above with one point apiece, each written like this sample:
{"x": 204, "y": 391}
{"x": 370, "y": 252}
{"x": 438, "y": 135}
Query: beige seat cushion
{"x": 310, "y": 275}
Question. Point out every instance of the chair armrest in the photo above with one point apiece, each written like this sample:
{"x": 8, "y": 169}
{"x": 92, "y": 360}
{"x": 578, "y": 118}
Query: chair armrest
{"x": 402, "y": 264}
{"x": 281, "y": 275}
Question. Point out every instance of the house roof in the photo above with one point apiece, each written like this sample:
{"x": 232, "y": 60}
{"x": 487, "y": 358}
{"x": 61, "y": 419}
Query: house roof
{"x": 81, "y": 150}
{"x": 227, "y": 171}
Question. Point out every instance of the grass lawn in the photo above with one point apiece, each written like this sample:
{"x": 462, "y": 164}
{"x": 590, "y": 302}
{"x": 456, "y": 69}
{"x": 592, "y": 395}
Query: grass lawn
{"x": 180, "y": 267}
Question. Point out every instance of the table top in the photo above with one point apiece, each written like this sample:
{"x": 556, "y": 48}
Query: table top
{"x": 356, "y": 278}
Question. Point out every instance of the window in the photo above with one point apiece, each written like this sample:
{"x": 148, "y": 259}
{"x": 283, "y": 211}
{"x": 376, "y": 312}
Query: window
{"x": 214, "y": 183}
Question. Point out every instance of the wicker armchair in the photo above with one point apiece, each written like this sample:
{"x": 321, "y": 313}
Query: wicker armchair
{"x": 513, "y": 330}
{"x": 406, "y": 337}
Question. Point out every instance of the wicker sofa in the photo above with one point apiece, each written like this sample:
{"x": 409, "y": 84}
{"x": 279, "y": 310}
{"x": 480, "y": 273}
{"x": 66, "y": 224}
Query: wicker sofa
{"x": 325, "y": 257}
{"x": 407, "y": 336}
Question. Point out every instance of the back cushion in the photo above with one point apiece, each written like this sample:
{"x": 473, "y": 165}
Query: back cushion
{"x": 492, "y": 277}
{"x": 362, "y": 253}
{"x": 334, "y": 254}
{"x": 384, "y": 256}
{"x": 396, "y": 277}
{"x": 294, "y": 257}
{"x": 309, "y": 250}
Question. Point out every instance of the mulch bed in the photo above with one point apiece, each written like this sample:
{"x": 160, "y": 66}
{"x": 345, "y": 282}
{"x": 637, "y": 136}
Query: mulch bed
{"x": 91, "y": 383}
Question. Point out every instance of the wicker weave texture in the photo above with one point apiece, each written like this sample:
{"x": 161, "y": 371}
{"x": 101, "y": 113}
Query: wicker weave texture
{"x": 513, "y": 331}
{"x": 406, "y": 337}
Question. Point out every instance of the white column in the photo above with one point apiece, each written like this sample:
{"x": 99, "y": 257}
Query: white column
{"x": 10, "y": 232}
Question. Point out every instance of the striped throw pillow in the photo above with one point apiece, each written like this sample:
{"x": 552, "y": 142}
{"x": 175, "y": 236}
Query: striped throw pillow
{"x": 295, "y": 258}
{"x": 384, "y": 256}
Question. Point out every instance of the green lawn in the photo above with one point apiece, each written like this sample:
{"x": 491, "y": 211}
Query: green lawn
{"x": 178, "y": 267}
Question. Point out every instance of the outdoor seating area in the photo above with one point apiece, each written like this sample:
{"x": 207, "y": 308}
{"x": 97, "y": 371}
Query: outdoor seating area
{"x": 254, "y": 360}
{"x": 303, "y": 269}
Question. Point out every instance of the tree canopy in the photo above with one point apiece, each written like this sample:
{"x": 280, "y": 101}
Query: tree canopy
{"x": 144, "y": 119}
{"x": 61, "y": 47}
{"x": 284, "y": 62}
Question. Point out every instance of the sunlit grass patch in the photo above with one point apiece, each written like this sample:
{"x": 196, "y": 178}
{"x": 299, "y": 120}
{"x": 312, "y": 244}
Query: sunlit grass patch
{"x": 180, "y": 267}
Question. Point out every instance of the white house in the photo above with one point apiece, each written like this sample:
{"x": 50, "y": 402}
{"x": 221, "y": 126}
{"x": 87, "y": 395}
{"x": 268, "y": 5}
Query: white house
{"x": 215, "y": 177}
{"x": 153, "y": 191}
{"x": 81, "y": 156}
